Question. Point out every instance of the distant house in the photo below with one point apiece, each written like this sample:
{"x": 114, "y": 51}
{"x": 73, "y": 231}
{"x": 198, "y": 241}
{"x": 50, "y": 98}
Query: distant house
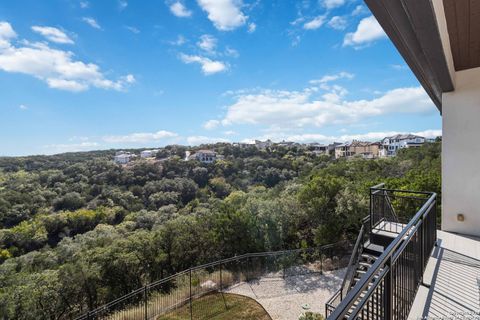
{"x": 390, "y": 145}
{"x": 287, "y": 144}
{"x": 367, "y": 150}
{"x": 342, "y": 150}
{"x": 331, "y": 148}
{"x": 122, "y": 157}
{"x": 241, "y": 145}
{"x": 317, "y": 148}
{"x": 148, "y": 153}
{"x": 204, "y": 156}
{"x": 263, "y": 144}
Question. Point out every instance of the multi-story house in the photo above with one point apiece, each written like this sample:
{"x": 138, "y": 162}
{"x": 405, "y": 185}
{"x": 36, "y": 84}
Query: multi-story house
{"x": 317, "y": 148}
{"x": 123, "y": 157}
{"x": 390, "y": 145}
{"x": 263, "y": 144}
{"x": 204, "y": 156}
{"x": 361, "y": 148}
{"x": 148, "y": 153}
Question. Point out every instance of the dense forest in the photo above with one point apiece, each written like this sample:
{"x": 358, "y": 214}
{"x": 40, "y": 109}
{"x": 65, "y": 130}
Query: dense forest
{"x": 77, "y": 230}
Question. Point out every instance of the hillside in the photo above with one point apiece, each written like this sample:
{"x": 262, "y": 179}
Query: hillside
{"x": 78, "y": 230}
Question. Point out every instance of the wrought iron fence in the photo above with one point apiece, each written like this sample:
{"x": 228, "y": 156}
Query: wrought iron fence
{"x": 179, "y": 295}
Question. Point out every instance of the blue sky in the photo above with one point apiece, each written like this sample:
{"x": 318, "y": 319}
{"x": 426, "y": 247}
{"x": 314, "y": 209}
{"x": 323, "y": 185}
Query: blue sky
{"x": 82, "y": 75}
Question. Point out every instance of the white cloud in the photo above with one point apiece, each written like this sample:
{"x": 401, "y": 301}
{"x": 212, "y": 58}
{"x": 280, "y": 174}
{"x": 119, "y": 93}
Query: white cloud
{"x": 225, "y": 14}
{"x": 252, "y": 27}
{"x": 53, "y": 34}
{"x": 6, "y": 34}
{"x": 208, "y": 66}
{"x": 132, "y": 29}
{"x": 22, "y": 107}
{"x": 232, "y": 52}
{"x": 332, "y": 77}
{"x": 399, "y": 66}
{"x": 141, "y": 137}
{"x": 91, "y": 22}
{"x": 71, "y": 147}
{"x": 229, "y": 133}
{"x": 179, "y": 10}
{"x": 312, "y": 107}
{"x": 179, "y": 41}
{"x": 315, "y": 23}
{"x": 84, "y": 4}
{"x": 207, "y": 43}
{"x": 197, "y": 140}
{"x": 331, "y": 4}
{"x": 122, "y": 4}
{"x": 338, "y": 23}
{"x": 360, "y": 9}
{"x": 368, "y": 30}
{"x": 57, "y": 68}
{"x": 211, "y": 124}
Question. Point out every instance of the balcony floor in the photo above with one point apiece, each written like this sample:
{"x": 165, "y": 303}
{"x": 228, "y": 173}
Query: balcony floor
{"x": 453, "y": 273}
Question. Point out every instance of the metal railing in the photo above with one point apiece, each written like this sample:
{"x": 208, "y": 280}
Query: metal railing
{"x": 173, "y": 295}
{"x": 338, "y": 296}
{"x": 388, "y": 288}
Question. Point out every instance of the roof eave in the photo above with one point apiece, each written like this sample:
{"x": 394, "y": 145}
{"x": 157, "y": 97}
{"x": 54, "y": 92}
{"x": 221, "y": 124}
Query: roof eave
{"x": 413, "y": 29}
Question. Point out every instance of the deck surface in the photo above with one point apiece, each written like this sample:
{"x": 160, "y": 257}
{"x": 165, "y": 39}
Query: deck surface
{"x": 453, "y": 273}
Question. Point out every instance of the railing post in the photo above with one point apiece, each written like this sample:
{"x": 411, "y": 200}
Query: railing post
{"x": 388, "y": 299}
{"x": 191, "y": 309}
{"x": 321, "y": 261}
{"x": 88, "y": 315}
{"x": 247, "y": 271}
{"x": 371, "y": 209}
{"x": 145, "y": 300}
{"x": 422, "y": 250}
{"x": 221, "y": 280}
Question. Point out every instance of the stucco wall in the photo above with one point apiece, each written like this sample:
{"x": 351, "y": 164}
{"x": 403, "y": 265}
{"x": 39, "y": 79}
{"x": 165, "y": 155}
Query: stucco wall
{"x": 461, "y": 154}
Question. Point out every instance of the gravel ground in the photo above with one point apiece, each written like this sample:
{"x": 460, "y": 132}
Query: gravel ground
{"x": 283, "y": 298}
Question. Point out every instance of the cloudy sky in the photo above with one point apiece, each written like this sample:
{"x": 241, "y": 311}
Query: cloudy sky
{"x": 84, "y": 75}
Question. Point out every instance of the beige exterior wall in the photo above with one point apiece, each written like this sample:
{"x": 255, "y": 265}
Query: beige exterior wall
{"x": 461, "y": 154}
{"x": 375, "y": 150}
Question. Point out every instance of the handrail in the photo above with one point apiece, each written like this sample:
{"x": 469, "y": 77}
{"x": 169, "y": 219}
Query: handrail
{"x": 352, "y": 266}
{"x": 386, "y": 256}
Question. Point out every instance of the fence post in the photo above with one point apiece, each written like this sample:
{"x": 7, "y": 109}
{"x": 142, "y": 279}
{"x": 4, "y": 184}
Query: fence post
{"x": 191, "y": 309}
{"x": 321, "y": 260}
{"x": 246, "y": 269}
{"x": 221, "y": 288}
{"x": 145, "y": 297}
{"x": 88, "y": 315}
{"x": 221, "y": 280}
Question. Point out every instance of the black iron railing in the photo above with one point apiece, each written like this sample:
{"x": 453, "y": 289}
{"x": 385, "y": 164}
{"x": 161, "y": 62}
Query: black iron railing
{"x": 335, "y": 300}
{"x": 387, "y": 290}
{"x": 170, "y": 296}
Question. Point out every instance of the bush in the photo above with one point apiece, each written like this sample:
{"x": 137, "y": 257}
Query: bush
{"x": 311, "y": 316}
